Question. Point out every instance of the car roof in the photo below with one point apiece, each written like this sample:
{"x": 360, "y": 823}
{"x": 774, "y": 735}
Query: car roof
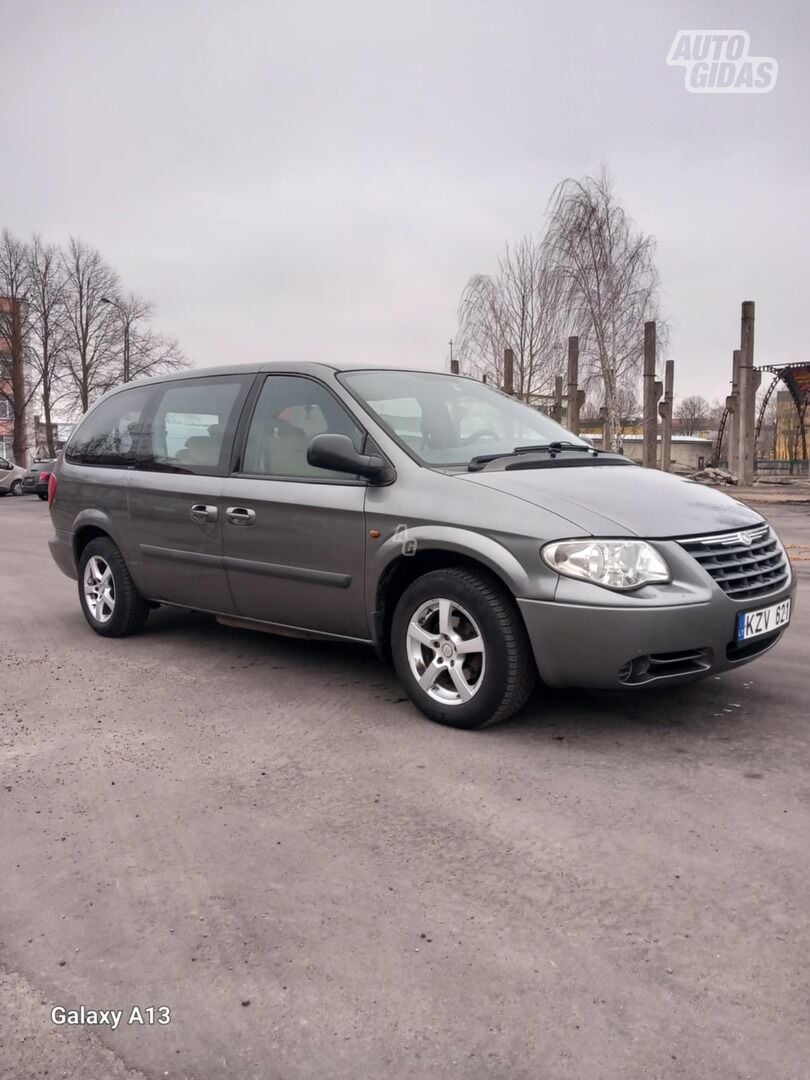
{"x": 300, "y": 367}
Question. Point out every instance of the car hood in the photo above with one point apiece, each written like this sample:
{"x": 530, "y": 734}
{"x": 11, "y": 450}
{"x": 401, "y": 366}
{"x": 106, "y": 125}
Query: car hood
{"x": 620, "y": 499}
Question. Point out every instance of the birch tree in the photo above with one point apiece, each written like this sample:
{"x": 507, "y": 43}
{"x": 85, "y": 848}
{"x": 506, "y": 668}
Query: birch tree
{"x": 607, "y": 283}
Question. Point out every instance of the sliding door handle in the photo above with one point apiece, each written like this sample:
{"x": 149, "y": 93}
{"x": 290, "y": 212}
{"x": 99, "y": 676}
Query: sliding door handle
{"x": 240, "y": 515}
{"x": 202, "y": 513}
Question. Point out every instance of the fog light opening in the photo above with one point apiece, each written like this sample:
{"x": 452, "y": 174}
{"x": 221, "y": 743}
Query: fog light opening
{"x": 634, "y": 670}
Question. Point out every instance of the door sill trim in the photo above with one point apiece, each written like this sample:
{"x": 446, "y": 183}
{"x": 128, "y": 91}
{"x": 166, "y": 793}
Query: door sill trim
{"x": 283, "y": 630}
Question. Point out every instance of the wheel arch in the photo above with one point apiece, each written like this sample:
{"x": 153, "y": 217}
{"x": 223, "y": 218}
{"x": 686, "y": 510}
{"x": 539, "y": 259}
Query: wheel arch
{"x": 90, "y": 525}
{"x": 408, "y": 555}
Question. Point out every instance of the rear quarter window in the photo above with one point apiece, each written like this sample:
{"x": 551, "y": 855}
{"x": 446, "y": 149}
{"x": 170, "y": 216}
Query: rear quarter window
{"x": 109, "y": 435}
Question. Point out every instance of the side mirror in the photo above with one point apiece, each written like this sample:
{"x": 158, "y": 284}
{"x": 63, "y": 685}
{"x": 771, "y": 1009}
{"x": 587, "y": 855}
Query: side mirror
{"x": 6, "y": 464}
{"x": 337, "y": 452}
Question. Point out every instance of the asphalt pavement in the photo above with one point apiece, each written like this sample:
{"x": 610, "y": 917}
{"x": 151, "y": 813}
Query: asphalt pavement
{"x": 264, "y": 837}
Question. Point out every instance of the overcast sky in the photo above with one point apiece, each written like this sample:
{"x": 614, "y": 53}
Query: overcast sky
{"x": 319, "y": 179}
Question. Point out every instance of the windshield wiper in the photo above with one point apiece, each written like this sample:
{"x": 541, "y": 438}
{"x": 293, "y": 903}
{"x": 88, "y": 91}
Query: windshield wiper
{"x": 552, "y": 448}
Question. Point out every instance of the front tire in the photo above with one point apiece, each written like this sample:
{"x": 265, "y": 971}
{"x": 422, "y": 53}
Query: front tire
{"x": 460, "y": 649}
{"x": 16, "y": 487}
{"x": 110, "y": 602}
{"x": 43, "y": 497}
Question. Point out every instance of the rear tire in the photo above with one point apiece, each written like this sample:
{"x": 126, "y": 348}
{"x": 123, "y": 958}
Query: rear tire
{"x": 110, "y": 602}
{"x": 41, "y": 496}
{"x": 460, "y": 649}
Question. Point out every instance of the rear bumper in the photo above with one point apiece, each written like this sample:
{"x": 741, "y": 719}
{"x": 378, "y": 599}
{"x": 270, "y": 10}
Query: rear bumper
{"x": 620, "y": 648}
{"x": 62, "y": 550}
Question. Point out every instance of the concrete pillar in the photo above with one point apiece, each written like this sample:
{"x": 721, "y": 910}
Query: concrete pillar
{"x": 733, "y": 406}
{"x": 650, "y": 423}
{"x": 508, "y": 371}
{"x": 557, "y": 407}
{"x": 748, "y": 391}
{"x": 572, "y": 418}
{"x": 665, "y": 409}
{"x": 454, "y": 367}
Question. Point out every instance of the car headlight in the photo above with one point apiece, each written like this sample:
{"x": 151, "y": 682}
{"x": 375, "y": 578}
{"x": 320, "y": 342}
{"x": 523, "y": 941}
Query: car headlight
{"x": 615, "y": 564}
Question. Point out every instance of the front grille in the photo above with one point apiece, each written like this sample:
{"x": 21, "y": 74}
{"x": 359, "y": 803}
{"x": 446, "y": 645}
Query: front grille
{"x": 743, "y": 570}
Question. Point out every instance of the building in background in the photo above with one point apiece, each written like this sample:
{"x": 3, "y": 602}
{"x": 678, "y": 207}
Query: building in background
{"x": 6, "y": 396}
{"x": 688, "y": 452}
{"x": 788, "y": 436}
{"x": 8, "y": 321}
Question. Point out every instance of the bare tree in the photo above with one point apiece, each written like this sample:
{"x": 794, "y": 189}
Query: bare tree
{"x": 140, "y": 350}
{"x": 608, "y": 283}
{"x": 628, "y": 403}
{"x": 517, "y": 309}
{"x": 16, "y": 388}
{"x": 693, "y": 413}
{"x": 48, "y": 338}
{"x": 93, "y": 333}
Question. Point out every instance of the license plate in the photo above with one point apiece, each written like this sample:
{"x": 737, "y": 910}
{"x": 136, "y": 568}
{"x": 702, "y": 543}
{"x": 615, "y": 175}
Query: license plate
{"x": 763, "y": 621}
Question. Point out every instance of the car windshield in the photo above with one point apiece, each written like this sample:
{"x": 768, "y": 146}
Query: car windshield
{"x": 448, "y": 420}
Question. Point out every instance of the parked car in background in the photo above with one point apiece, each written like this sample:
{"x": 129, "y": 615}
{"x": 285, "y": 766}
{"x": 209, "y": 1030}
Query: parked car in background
{"x": 468, "y": 537}
{"x": 11, "y": 478}
{"x": 35, "y": 481}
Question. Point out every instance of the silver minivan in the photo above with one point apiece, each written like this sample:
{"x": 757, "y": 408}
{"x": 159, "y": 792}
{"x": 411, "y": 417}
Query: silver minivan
{"x": 470, "y": 539}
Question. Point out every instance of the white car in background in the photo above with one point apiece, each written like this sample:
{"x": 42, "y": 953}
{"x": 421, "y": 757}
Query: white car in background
{"x": 10, "y": 478}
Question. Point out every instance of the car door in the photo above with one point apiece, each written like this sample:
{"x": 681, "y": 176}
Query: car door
{"x": 175, "y": 491}
{"x": 293, "y": 534}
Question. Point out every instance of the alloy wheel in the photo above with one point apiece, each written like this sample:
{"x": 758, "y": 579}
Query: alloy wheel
{"x": 99, "y": 589}
{"x": 446, "y": 651}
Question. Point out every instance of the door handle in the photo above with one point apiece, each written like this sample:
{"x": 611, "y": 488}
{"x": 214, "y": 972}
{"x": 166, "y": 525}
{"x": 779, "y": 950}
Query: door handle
{"x": 202, "y": 513}
{"x": 240, "y": 515}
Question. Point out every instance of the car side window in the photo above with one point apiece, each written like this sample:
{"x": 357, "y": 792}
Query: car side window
{"x": 290, "y": 411}
{"x": 194, "y": 421}
{"x": 110, "y": 433}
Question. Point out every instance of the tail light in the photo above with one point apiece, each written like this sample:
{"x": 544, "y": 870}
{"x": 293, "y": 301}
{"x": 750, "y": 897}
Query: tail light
{"x": 51, "y": 488}
{"x": 43, "y": 476}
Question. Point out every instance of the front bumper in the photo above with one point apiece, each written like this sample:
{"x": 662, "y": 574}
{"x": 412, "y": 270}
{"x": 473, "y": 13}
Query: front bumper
{"x": 622, "y": 647}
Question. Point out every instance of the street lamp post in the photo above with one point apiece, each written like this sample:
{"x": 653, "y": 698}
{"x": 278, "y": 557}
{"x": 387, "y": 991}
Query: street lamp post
{"x": 125, "y": 321}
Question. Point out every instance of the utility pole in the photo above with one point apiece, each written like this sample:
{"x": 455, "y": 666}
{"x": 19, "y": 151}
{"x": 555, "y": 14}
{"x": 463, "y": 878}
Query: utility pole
{"x": 574, "y": 398}
{"x": 665, "y": 410}
{"x": 651, "y": 394}
{"x": 453, "y": 363}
